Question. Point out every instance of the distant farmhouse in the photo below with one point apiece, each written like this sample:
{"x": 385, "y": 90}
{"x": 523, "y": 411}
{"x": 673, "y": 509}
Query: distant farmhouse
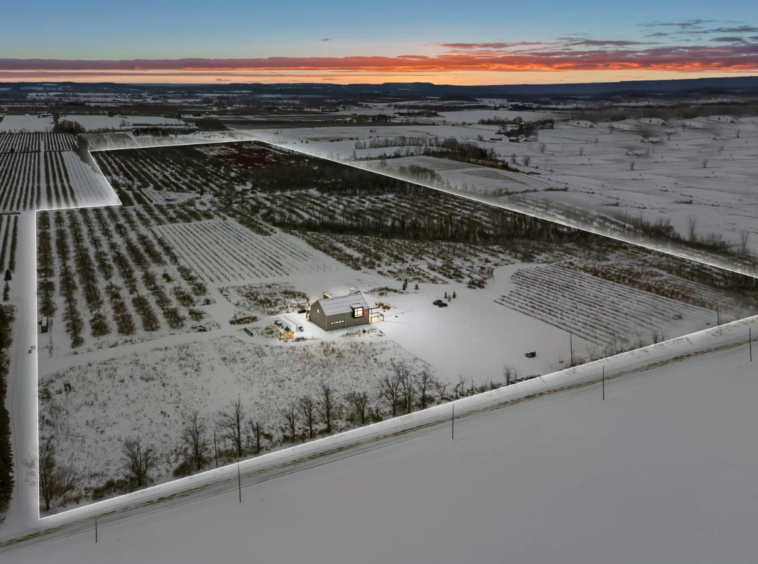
{"x": 340, "y": 312}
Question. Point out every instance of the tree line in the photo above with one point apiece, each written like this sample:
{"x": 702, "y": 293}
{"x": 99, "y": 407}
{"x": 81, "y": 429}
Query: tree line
{"x": 6, "y": 453}
{"x": 236, "y": 432}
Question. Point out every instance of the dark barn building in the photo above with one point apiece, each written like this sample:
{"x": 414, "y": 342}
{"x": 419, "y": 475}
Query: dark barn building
{"x": 340, "y": 312}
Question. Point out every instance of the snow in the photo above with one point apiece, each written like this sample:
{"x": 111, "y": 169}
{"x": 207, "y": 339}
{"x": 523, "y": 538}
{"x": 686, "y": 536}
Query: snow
{"x": 22, "y": 381}
{"x": 445, "y": 340}
{"x": 581, "y": 176}
{"x": 99, "y": 122}
{"x": 149, "y": 392}
{"x": 26, "y": 124}
{"x": 662, "y": 470}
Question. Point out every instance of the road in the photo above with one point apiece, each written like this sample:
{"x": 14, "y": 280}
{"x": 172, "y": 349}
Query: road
{"x": 22, "y": 382}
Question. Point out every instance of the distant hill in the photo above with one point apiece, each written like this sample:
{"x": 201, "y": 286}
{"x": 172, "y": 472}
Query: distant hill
{"x": 742, "y": 85}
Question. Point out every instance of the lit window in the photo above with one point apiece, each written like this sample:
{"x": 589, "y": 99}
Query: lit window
{"x": 357, "y": 312}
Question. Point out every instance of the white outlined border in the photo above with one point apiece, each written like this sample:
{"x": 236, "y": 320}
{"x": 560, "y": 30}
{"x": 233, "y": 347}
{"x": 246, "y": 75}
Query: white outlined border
{"x": 582, "y": 375}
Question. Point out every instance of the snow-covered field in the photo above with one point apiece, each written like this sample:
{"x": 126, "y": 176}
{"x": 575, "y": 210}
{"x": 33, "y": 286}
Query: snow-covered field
{"x": 697, "y": 174}
{"x": 661, "y": 470}
{"x": 43, "y": 172}
{"x": 92, "y": 409}
{"x": 225, "y": 251}
{"x": 158, "y": 325}
{"x": 115, "y": 123}
{"x": 26, "y": 124}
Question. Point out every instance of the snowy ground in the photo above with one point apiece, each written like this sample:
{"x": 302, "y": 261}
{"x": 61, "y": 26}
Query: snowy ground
{"x": 150, "y": 394}
{"x": 116, "y": 386}
{"x": 697, "y": 171}
{"x": 662, "y": 470}
{"x": 113, "y": 123}
{"x": 27, "y": 124}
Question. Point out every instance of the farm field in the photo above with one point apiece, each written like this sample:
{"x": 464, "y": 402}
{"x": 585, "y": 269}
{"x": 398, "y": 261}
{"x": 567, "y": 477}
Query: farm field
{"x": 692, "y": 177}
{"x": 115, "y": 123}
{"x": 27, "y": 124}
{"x": 225, "y": 251}
{"x": 164, "y": 312}
{"x": 8, "y": 242}
{"x": 42, "y": 171}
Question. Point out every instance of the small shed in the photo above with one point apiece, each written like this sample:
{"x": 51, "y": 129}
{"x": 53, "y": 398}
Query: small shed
{"x": 340, "y": 312}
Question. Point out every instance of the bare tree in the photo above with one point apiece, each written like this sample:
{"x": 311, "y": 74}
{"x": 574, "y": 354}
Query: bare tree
{"x": 513, "y": 159}
{"x": 390, "y": 392}
{"x": 632, "y": 164}
{"x": 510, "y": 375}
{"x": 359, "y": 402}
{"x": 307, "y": 408}
{"x": 326, "y": 405}
{"x": 232, "y": 422}
{"x": 526, "y": 159}
{"x": 194, "y": 439}
{"x": 255, "y": 435}
{"x": 138, "y": 462}
{"x": 542, "y": 148}
{"x": 744, "y": 240}
{"x": 55, "y": 480}
{"x": 460, "y": 387}
{"x": 423, "y": 382}
{"x": 405, "y": 379}
{"x": 692, "y": 228}
{"x": 290, "y": 415}
{"x": 409, "y": 391}
{"x": 441, "y": 388}
{"x": 705, "y": 163}
{"x": 581, "y": 151}
{"x": 658, "y": 336}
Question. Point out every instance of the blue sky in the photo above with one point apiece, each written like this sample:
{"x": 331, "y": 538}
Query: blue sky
{"x": 82, "y": 29}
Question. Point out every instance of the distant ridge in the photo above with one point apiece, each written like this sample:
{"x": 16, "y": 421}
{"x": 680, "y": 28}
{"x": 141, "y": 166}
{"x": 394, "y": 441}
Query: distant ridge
{"x": 742, "y": 85}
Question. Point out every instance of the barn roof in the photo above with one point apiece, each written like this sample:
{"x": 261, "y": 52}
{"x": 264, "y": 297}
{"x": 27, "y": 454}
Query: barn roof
{"x": 342, "y": 304}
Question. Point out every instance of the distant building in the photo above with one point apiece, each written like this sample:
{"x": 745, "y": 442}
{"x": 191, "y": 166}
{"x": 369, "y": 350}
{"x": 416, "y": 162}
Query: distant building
{"x": 340, "y": 312}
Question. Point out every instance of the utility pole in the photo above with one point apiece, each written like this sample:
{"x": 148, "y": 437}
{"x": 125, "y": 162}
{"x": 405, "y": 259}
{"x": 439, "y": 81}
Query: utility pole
{"x": 95, "y": 530}
{"x": 750, "y": 340}
{"x": 718, "y": 316}
{"x": 239, "y": 481}
{"x": 215, "y": 447}
{"x": 453, "y": 421}
{"x": 603, "y": 383}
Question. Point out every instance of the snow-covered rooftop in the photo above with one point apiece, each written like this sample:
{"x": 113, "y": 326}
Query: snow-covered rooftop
{"x": 342, "y": 304}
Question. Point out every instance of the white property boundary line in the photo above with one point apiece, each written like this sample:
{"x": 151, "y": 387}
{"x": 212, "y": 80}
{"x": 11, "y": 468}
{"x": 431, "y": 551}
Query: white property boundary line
{"x": 725, "y": 336}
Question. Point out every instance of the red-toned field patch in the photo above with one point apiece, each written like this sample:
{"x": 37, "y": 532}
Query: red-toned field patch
{"x": 244, "y": 155}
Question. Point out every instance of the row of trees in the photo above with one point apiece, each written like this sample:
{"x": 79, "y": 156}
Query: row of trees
{"x": 6, "y": 453}
{"x": 234, "y": 434}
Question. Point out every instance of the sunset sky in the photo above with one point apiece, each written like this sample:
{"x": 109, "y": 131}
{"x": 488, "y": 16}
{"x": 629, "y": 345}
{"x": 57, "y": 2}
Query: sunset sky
{"x": 486, "y": 42}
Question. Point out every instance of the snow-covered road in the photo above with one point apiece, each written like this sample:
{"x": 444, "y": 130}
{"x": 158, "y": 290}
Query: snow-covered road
{"x": 22, "y": 382}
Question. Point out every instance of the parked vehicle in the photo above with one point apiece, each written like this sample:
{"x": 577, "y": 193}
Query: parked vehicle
{"x": 442, "y": 304}
{"x": 530, "y": 354}
{"x": 437, "y": 302}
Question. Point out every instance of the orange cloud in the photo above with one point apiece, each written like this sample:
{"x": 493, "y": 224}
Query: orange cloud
{"x": 565, "y": 57}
